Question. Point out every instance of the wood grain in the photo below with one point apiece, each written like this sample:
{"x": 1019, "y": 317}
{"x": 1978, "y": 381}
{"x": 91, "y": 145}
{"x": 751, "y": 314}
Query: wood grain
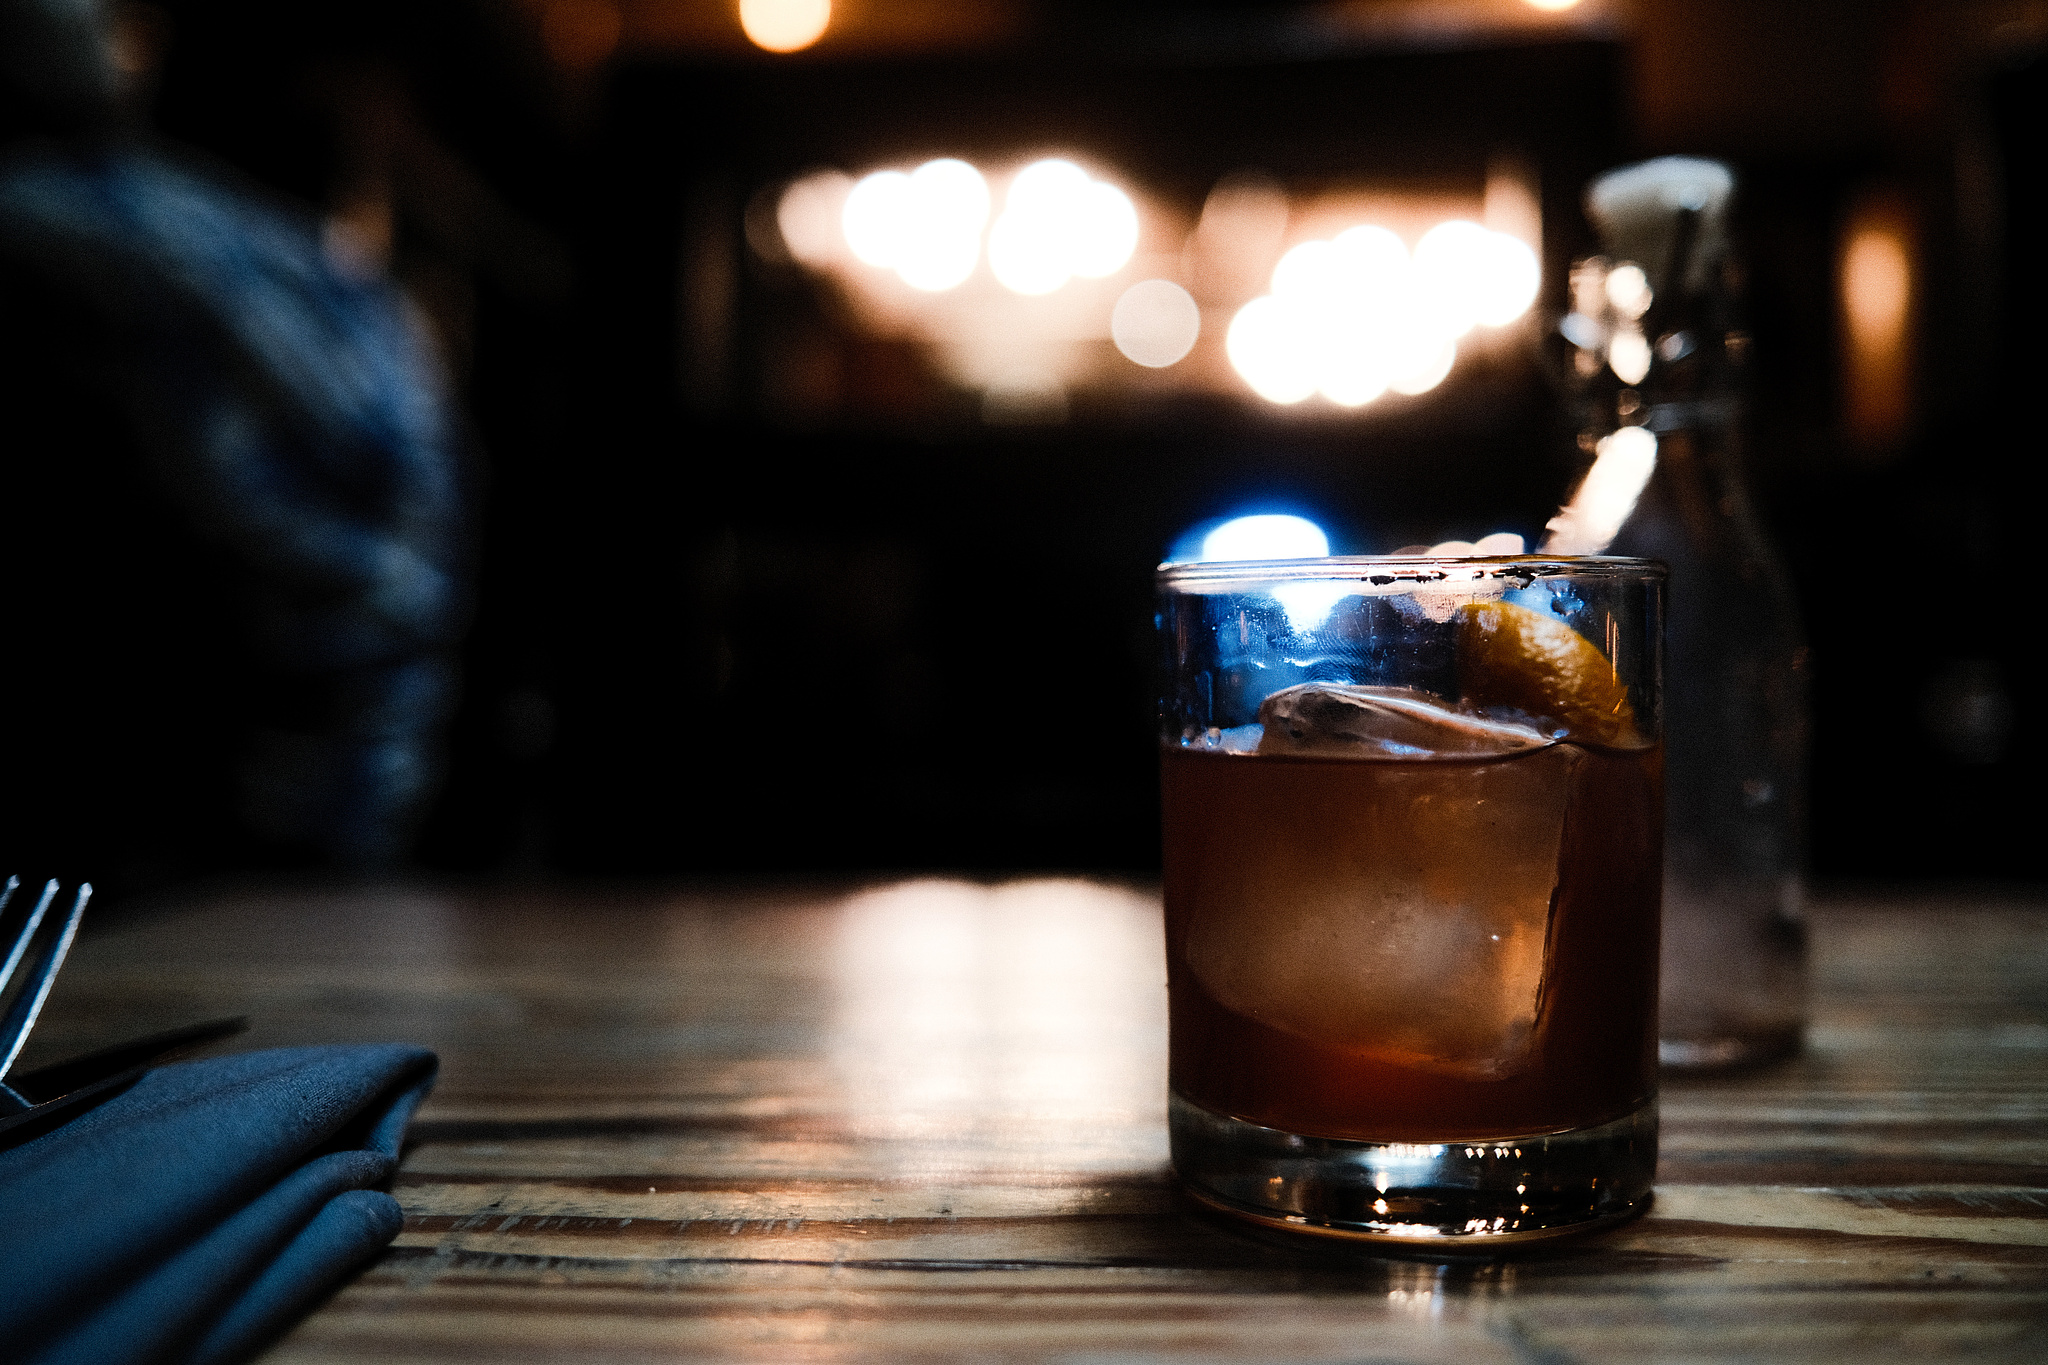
{"x": 924, "y": 1121}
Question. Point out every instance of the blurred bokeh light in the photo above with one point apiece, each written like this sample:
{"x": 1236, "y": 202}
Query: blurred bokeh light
{"x": 785, "y": 25}
{"x": 1155, "y": 323}
{"x": 1269, "y": 535}
{"x": 1609, "y": 301}
{"x": 808, "y": 215}
{"x": 1351, "y": 291}
{"x": 926, "y": 226}
{"x": 1058, "y": 223}
{"x": 1356, "y": 316}
{"x": 1874, "y": 281}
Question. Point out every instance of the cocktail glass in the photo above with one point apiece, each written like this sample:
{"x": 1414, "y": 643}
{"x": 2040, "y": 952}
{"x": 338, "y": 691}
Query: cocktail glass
{"x": 1413, "y": 848}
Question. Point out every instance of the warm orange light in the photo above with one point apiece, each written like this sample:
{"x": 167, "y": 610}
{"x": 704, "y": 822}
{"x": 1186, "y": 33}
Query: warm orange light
{"x": 926, "y": 226}
{"x": 1877, "y": 281}
{"x": 1354, "y": 317}
{"x": 1058, "y": 223}
{"x": 785, "y": 25}
{"x": 1876, "y": 288}
{"x": 1552, "y": 6}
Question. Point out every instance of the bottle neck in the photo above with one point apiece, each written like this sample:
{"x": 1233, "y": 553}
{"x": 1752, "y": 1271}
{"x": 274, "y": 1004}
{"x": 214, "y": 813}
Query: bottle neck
{"x": 1671, "y": 362}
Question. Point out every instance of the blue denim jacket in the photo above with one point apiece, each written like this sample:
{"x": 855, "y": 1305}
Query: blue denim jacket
{"x": 294, "y": 421}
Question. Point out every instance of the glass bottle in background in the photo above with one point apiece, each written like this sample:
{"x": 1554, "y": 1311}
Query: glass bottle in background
{"x": 1657, "y": 356}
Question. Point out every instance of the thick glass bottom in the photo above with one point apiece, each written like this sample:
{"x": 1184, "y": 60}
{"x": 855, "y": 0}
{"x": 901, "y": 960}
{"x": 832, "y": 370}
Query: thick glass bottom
{"x": 1452, "y": 1196}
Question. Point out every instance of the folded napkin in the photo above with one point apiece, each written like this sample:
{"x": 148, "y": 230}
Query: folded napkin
{"x": 196, "y": 1215}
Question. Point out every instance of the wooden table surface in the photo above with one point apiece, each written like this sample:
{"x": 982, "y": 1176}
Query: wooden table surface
{"x": 925, "y": 1120}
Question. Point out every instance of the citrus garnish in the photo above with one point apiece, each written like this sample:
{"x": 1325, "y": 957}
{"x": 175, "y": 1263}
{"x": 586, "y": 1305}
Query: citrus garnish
{"x": 1509, "y": 655}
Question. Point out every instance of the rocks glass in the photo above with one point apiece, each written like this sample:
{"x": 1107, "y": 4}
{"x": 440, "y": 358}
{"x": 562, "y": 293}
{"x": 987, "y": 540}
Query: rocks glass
{"x": 1413, "y": 844}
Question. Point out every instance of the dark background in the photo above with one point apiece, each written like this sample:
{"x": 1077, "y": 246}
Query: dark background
{"x": 714, "y": 635}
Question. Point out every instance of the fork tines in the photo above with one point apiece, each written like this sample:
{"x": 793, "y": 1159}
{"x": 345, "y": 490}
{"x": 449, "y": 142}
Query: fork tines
{"x": 33, "y": 943}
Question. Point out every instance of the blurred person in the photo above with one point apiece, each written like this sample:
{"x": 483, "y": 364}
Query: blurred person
{"x": 232, "y": 560}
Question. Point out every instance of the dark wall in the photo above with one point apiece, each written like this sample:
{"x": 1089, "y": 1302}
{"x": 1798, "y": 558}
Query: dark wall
{"x": 708, "y": 636}
{"x": 1915, "y": 565}
{"x": 893, "y": 636}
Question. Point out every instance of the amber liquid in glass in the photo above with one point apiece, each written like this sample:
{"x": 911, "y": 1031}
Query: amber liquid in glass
{"x": 1414, "y": 951}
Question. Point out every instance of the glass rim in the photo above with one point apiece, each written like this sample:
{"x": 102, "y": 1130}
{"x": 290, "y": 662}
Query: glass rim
{"x": 1386, "y": 570}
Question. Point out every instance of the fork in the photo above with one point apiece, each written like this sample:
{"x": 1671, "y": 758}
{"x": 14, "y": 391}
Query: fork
{"x": 34, "y": 953}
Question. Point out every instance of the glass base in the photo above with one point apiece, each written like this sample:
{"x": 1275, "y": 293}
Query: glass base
{"x": 1729, "y": 1051}
{"x": 1452, "y": 1196}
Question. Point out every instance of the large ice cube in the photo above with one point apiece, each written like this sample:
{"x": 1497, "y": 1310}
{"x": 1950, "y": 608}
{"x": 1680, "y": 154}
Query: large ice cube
{"x": 1344, "y": 720}
{"x": 1389, "y": 907}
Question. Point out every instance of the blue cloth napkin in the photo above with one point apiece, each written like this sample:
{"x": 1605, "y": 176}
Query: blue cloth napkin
{"x": 199, "y": 1213}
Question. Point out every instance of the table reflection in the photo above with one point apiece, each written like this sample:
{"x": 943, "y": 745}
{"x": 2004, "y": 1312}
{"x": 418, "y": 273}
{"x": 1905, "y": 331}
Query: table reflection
{"x": 1029, "y": 1004}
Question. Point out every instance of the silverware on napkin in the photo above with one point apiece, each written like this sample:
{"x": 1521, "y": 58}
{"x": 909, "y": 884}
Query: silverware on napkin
{"x": 33, "y": 944}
